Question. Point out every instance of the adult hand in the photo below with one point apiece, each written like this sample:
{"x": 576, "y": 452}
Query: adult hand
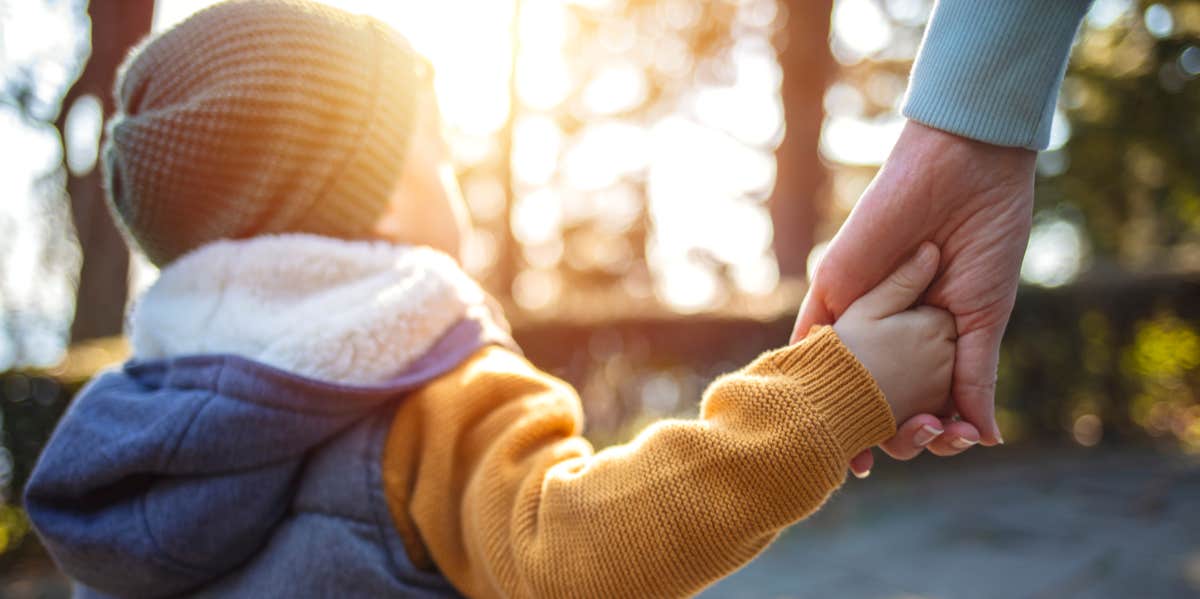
{"x": 975, "y": 201}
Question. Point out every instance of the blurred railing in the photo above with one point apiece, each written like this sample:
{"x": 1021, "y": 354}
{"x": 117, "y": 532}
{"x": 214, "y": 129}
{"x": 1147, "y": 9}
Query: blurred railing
{"x": 1115, "y": 361}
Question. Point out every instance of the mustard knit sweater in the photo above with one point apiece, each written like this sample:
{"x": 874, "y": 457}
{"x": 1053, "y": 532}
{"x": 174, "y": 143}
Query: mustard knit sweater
{"x": 489, "y": 480}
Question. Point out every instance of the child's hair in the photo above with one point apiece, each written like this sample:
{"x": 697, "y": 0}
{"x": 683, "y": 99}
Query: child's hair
{"x": 260, "y": 116}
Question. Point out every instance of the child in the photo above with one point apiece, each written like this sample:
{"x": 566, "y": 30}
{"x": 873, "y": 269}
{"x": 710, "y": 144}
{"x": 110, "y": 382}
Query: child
{"x": 321, "y": 404}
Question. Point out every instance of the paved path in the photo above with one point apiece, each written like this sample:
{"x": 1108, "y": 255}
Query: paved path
{"x": 998, "y": 523}
{"x": 1009, "y": 523}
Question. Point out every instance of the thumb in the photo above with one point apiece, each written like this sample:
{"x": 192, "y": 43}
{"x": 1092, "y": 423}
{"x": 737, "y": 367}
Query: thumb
{"x": 903, "y": 287}
{"x": 977, "y": 355}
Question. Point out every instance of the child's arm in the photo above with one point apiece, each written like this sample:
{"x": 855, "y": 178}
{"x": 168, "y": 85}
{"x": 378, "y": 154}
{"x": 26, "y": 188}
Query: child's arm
{"x": 488, "y": 478}
{"x": 508, "y": 500}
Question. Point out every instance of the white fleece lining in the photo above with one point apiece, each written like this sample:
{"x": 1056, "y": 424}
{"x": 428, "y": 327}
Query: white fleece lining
{"x": 354, "y": 312}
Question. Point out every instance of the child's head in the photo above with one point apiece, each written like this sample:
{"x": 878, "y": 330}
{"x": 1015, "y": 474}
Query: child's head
{"x": 255, "y": 117}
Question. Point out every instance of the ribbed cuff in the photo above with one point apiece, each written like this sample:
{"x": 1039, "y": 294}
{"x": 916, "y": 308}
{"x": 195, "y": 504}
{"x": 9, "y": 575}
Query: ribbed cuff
{"x": 841, "y": 390}
{"x": 991, "y": 70}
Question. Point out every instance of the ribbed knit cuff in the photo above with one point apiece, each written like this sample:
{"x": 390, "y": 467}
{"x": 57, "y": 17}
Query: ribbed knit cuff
{"x": 991, "y": 70}
{"x": 840, "y": 390}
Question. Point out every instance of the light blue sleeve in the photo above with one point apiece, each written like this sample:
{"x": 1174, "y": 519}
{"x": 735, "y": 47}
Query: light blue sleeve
{"x": 991, "y": 69}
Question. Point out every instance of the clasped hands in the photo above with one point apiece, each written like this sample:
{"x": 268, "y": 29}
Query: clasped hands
{"x": 943, "y": 227}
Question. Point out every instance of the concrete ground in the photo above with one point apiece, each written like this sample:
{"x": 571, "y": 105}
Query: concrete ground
{"x": 1010, "y": 522}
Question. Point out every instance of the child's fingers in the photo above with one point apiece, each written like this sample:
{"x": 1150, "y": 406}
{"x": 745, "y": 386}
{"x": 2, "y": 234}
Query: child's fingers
{"x": 860, "y": 465}
{"x": 960, "y": 436}
{"x": 913, "y": 436}
{"x": 903, "y": 287}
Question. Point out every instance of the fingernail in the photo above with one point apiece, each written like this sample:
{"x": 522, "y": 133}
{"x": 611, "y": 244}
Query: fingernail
{"x": 961, "y": 443}
{"x": 996, "y": 430}
{"x": 862, "y": 475}
{"x": 926, "y": 435}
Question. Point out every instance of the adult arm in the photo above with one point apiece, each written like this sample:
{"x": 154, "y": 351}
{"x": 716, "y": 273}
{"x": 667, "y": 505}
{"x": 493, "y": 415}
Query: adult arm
{"x": 980, "y": 103}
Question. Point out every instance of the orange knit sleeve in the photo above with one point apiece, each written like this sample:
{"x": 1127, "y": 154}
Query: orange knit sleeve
{"x": 488, "y": 479}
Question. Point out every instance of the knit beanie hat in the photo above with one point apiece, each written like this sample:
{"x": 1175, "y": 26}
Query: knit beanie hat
{"x": 260, "y": 116}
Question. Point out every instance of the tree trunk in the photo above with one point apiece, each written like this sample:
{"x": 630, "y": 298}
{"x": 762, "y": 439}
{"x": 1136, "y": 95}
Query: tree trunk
{"x": 104, "y": 276}
{"x": 808, "y": 67}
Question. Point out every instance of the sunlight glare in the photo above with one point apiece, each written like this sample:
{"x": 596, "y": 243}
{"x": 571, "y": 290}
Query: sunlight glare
{"x": 686, "y": 286}
{"x": 910, "y": 12}
{"x": 537, "y": 143}
{"x": 753, "y": 230}
{"x": 843, "y": 100}
{"x": 617, "y": 208}
{"x": 860, "y": 142}
{"x": 543, "y": 80}
{"x": 1056, "y": 253}
{"x": 615, "y": 89}
{"x": 1159, "y": 21}
{"x": 479, "y": 251}
{"x": 84, "y": 125}
{"x": 1104, "y": 13}
{"x": 603, "y": 153}
{"x": 750, "y": 109}
{"x": 30, "y": 150}
{"x": 536, "y": 289}
{"x": 471, "y": 78}
{"x": 692, "y": 163}
{"x": 758, "y": 276}
{"x": 47, "y": 34}
{"x": 537, "y": 217}
{"x": 543, "y": 77}
{"x": 1060, "y": 131}
{"x": 861, "y": 28}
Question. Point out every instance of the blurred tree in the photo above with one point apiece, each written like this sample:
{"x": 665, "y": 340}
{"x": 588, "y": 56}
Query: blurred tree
{"x": 808, "y": 68}
{"x": 642, "y": 141}
{"x": 103, "y": 279}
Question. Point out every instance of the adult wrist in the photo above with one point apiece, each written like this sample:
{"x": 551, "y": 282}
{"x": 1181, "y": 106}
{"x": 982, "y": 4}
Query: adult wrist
{"x": 944, "y": 171}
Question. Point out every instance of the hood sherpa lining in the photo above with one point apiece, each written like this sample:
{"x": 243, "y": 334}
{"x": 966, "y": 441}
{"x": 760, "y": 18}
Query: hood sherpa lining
{"x": 355, "y": 312}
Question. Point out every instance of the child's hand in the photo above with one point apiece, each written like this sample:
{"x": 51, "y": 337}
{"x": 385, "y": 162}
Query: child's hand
{"x": 909, "y": 351}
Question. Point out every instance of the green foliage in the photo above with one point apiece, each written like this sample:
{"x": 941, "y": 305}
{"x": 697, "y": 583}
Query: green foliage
{"x": 1104, "y": 361}
{"x": 14, "y": 526}
{"x": 30, "y": 406}
{"x": 1131, "y": 167}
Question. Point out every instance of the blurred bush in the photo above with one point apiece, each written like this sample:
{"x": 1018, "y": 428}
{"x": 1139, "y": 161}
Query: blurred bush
{"x": 1115, "y": 360}
{"x": 31, "y": 402}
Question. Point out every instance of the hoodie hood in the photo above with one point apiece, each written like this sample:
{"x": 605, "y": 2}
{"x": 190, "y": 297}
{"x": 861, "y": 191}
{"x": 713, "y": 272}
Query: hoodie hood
{"x": 327, "y": 309}
{"x": 175, "y": 469}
